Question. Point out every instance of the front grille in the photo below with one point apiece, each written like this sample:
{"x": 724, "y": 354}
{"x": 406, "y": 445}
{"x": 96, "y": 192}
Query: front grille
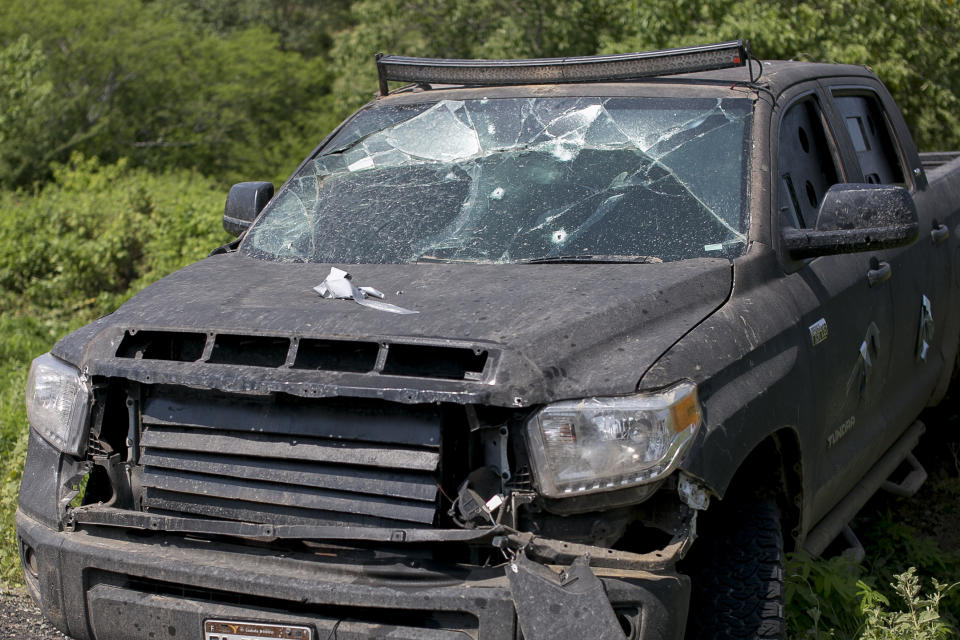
{"x": 289, "y": 461}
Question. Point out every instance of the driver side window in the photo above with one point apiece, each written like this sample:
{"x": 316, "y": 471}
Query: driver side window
{"x": 806, "y": 166}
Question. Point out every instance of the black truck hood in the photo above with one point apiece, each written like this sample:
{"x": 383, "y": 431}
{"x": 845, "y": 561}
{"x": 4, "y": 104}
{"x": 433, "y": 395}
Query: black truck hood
{"x": 506, "y": 335}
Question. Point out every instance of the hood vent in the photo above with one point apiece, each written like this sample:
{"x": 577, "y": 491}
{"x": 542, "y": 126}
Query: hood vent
{"x": 425, "y": 361}
{"x": 162, "y": 345}
{"x": 336, "y": 355}
{"x": 250, "y": 351}
{"x": 347, "y": 356}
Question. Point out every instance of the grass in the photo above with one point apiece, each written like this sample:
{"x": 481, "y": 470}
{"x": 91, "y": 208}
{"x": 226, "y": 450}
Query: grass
{"x": 71, "y": 252}
{"x": 21, "y": 339}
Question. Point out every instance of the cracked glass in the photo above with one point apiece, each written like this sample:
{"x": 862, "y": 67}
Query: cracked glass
{"x": 519, "y": 179}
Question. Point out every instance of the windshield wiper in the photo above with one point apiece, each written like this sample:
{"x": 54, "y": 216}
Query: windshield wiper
{"x": 573, "y": 259}
{"x": 595, "y": 259}
{"x": 428, "y": 258}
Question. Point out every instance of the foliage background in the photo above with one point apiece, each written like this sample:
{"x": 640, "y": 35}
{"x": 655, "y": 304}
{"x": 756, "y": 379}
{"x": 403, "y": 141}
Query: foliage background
{"x": 123, "y": 123}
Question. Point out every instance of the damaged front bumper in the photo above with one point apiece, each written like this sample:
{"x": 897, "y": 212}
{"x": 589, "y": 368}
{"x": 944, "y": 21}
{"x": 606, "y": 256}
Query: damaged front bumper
{"x": 113, "y": 573}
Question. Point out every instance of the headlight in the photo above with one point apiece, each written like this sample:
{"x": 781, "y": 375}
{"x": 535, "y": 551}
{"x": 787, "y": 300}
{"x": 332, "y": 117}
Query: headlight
{"x": 58, "y": 401}
{"x": 600, "y": 444}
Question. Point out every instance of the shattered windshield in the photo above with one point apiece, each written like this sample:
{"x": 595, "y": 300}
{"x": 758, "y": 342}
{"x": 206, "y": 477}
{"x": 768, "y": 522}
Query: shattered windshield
{"x": 518, "y": 179}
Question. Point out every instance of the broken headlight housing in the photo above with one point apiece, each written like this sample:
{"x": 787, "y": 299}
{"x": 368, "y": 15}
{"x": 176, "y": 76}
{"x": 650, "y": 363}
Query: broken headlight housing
{"x": 58, "y": 402}
{"x": 601, "y": 444}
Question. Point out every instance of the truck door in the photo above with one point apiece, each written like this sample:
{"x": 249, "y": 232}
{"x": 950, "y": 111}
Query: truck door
{"x": 920, "y": 273}
{"x": 848, "y": 323}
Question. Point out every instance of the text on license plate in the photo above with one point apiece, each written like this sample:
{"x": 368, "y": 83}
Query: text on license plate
{"x": 227, "y": 630}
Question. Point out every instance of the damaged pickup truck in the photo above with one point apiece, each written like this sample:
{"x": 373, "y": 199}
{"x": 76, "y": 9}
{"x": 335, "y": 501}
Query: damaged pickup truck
{"x": 534, "y": 349}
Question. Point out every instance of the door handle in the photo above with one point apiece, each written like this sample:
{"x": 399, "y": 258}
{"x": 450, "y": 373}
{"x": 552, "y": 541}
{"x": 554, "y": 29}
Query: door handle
{"x": 939, "y": 233}
{"x": 879, "y": 272}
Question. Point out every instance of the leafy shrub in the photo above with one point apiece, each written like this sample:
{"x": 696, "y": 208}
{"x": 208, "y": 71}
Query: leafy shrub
{"x": 821, "y": 597}
{"x": 921, "y": 620}
{"x": 152, "y": 82}
{"x": 74, "y": 250}
{"x": 98, "y": 229}
{"x": 895, "y": 544}
{"x": 21, "y": 339}
{"x": 23, "y": 94}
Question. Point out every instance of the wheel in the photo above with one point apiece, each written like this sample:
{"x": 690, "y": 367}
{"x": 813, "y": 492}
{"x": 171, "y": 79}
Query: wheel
{"x": 736, "y": 572}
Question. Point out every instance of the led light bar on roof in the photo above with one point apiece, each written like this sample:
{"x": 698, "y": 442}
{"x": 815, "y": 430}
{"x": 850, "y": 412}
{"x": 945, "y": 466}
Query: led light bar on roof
{"x": 623, "y": 66}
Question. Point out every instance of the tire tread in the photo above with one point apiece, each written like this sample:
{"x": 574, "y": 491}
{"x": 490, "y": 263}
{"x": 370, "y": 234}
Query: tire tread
{"x": 737, "y": 576}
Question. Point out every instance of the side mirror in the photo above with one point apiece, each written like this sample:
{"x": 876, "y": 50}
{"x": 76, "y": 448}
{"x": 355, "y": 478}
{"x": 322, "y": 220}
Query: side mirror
{"x": 857, "y": 217}
{"x": 244, "y": 203}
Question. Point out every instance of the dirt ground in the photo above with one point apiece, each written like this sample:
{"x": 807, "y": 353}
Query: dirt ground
{"x": 20, "y": 619}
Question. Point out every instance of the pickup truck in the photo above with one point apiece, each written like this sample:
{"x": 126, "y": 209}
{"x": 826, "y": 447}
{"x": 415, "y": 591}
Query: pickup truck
{"x": 561, "y": 348}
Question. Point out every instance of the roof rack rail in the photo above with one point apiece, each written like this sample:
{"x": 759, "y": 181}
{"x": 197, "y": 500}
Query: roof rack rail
{"x": 623, "y": 66}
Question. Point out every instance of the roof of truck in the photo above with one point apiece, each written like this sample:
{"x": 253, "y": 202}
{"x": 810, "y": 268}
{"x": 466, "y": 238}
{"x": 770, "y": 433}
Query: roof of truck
{"x": 777, "y": 74}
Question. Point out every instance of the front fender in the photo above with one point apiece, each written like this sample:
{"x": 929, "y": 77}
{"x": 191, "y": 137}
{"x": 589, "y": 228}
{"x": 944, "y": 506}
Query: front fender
{"x": 752, "y": 370}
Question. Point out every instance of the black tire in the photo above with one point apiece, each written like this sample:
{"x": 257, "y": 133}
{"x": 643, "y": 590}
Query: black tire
{"x": 736, "y": 570}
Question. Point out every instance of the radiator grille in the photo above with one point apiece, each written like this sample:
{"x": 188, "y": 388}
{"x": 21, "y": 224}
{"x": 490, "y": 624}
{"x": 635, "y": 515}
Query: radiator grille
{"x": 290, "y": 463}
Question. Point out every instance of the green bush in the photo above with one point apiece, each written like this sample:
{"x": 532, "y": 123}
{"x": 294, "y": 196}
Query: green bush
{"x": 74, "y": 250}
{"x": 821, "y": 597}
{"x": 21, "y": 339}
{"x": 920, "y": 621}
{"x": 98, "y": 229}
{"x": 152, "y": 81}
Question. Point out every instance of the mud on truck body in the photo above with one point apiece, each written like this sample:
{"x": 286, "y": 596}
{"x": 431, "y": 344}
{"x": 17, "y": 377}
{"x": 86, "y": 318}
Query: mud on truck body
{"x": 540, "y": 349}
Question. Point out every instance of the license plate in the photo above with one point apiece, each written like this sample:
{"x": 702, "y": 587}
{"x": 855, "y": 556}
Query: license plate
{"x": 227, "y": 630}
